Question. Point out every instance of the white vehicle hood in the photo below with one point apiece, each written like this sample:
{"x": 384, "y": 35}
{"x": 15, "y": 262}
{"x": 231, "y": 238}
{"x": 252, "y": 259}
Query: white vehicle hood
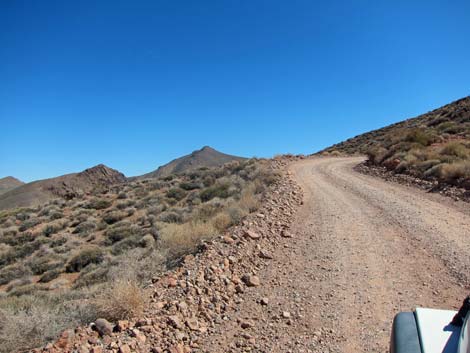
{"x": 435, "y": 333}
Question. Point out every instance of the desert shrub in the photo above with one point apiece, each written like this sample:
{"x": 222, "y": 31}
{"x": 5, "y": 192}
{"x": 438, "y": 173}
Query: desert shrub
{"x": 58, "y": 242}
{"x": 40, "y": 264}
{"x": 122, "y": 299}
{"x": 427, "y": 164}
{"x": 130, "y": 211}
{"x": 188, "y": 186}
{"x": 20, "y": 252}
{"x": 52, "y": 228}
{"x": 99, "y": 204}
{"x": 181, "y": 238}
{"x": 134, "y": 241}
{"x": 84, "y": 257}
{"x": 14, "y": 271}
{"x": 27, "y": 289}
{"x": 455, "y": 149}
{"x": 420, "y": 136}
{"x": 236, "y": 213}
{"x": 31, "y": 321}
{"x": 9, "y": 237}
{"x": 85, "y": 228}
{"x": 222, "y": 221}
{"x": 121, "y": 231}
{"x": 268, "y": 177}
{"x": 148, "y": 240}
{"x": 248, "y": 201}
{"x": 176, "y": 193}
{"x": 454, "y": 171}
{"x": 217, "y": 190}
{"x": 29, "y": 223}
{"x": 92, "y": 275}
{"x": 208, "y": 180}
{"x": 114, "y": 216}
{"x": 122, "y": 195}
{"x": 50, "y": 275}
{"x": 170, "y": 217}
{"x": 19, "y": 282}
{"x": 155, "y": 210}
{"x": 56, "y": 215}
{"x": 376, "y": 154}
{"x": 207, "y": 210}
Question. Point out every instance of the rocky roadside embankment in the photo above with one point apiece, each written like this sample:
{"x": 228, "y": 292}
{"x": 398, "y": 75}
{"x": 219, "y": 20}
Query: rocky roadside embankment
{"x": 195, "y": 301}
{"x": 456, "y": 193}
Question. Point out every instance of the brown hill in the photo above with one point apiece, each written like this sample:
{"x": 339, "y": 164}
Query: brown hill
{"x": 66, "y": 186}
{"x": 433, "y": 146}
{"x": 8, "y": 183}
{"x": 205, "y": 157}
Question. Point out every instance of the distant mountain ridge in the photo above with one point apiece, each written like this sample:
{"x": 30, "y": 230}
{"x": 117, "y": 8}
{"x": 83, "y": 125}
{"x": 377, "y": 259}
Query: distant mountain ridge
{"x": 8, "y": 183}
{"x": 66, "y": 186}
{"x": 205, "y": 157}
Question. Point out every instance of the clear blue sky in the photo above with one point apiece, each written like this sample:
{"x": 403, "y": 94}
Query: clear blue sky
{"x": 133, "y": 84}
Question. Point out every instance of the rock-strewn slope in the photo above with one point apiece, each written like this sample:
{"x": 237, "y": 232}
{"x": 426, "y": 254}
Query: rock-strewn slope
{"x": 193, "y": 303}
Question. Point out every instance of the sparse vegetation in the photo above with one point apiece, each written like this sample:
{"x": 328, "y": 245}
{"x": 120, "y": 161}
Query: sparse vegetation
{"x": 433, "y": 146}
{"x": 68, "y": 262}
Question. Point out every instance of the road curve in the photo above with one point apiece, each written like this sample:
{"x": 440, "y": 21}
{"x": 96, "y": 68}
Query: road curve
{"x": 370, "y": 248}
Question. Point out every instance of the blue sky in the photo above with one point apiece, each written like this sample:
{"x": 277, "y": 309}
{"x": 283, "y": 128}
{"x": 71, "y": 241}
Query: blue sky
{"x": 133, "y": 84}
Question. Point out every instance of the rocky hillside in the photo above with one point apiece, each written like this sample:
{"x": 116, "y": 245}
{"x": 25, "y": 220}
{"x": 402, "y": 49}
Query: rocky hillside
{"x": 8, "y": 183}
{"x": 65, "y": 186}
{"x": 434, "y": 146}
{"x": 70, "y": 261}
{"x": 191, "y": 303}
{"x": 206, "y": 157}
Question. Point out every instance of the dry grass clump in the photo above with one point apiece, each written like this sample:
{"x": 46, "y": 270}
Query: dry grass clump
{"x": 121, "y": 300}
{"x": 455, "y": 171}
{"x": 182, "y": 238}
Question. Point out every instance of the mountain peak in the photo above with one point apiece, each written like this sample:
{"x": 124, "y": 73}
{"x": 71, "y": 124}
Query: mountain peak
{"x": 207, "y": 148}
{"x": 205, "y": 157}
{"x": 8, "y": 183}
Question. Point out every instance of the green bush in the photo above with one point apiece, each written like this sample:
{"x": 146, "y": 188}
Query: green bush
{"x": 12, "y": 272}
{"x": 90, "y": 255}
{"x": 99, "y": 204}
{"x": 126, "y": 244}
{"x": 85, "y": 228}
{"x": 455, "y": 149}
{"x": 120, "y": 231}
{"x": 217, "y": 190}
{"x": 29, "y": 223}
{"x": 176, "y": 193}
{"x": 170, "y": 217}
{"x": 420, "y": 136}
{"x": 189, "y": 186}
{"x": 114, "y": 216}
{"x": 50, "y": 275}
{"x": 39, "y": 265}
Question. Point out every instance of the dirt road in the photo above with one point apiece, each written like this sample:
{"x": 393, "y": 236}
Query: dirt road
{"x": 373, "y": 248}
{"x": 362, "y": 250}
